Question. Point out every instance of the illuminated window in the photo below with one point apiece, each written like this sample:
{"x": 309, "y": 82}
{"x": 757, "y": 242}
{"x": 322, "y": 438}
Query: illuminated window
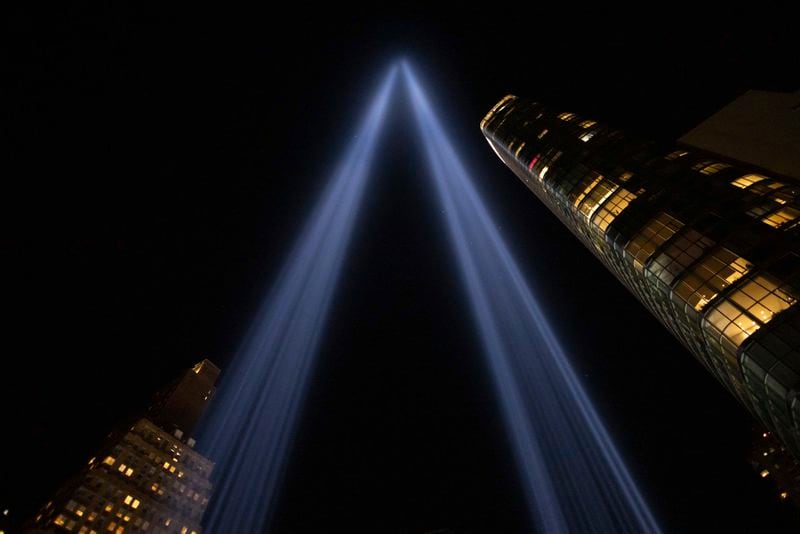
{"x": 154, "y": 487}
{"x": 682, "y": 252}
{"x": 109, "y": 507}
{"x": 166, "y": 465}
{"x": 625, "y": 176}
{"x": 122, "y": 468}
{"x": 516, "y": 154}
{"x": 489, "y": 116}
{"x": 598, "y": 195}
{"x": 781, "y": 217}
{"x": 120, "y": 530}
{"x": 128, "y": 472}
{"x": 713, "y": 274}
{"x": 764, "y": 473}
{"x": 60, "y": 520}
{"x": 80, "y": 510}
{"x": 135, "y": 504}
{"x": 611, "y": 209}
{"x": 184, "y": 530}
{"x": 712, "y": 168}
{"x": 784, "y": 495}
{"x": 128, "y": 499}
{"x": 566, "y": 116}
{"x": 675, "y": 155}
{"x": 92, "y": 516}
{"x": 588, "y": 188}
{"x": 83, "y": 530}
{"x": 542, "y": 133}
{"x": 650, "y": 237}
{"x": 111, "y": 526}
{"x": 543, "y": 172}
{"x": 586, "y": 124}
{"x": 588, "y": 135}
{"x": 747, "y": 180}
{"x": 109, "y": 460}
{"x": 167, "y": 522}
{"x": 752, "y": 305}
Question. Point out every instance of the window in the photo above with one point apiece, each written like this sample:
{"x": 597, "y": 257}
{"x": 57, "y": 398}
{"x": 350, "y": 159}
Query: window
{"x": 657, "y": 231}
{"x": 566, "y": 116}
{"x": 543, "y": 172}
{"x": 588, "y": 135}
{"x": 709, "y": 167}
{"x": 60, "y": 520}
{"x": 717, "y": 271}
{"x": 122, "y": 468}
{"x": 675, "y": 155}
{"x": 128, "y": 472}
{"x": 516, "y": 154}
{"x": 611, "y": 209}
{"x": 135, "y": 504}
{"x": 109, "y": 460}
{"x": 586, "y": 124}
{"x": 749, "y": 307}
{"x": 625, "y": 176}
{"x": 588, "y": 188}
{"x": 747, "y": 180}
{"x": 781, "y": 217}
{"x": 128, "y": 499}
{"x": 542, "y": 133}
{"x": 599, "y": 194}
{"x": 675, "y": 258}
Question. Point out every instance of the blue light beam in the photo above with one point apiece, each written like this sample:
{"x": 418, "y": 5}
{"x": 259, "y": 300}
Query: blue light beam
{"x": 254, "y": 416}
{"x": 574, "y": 478}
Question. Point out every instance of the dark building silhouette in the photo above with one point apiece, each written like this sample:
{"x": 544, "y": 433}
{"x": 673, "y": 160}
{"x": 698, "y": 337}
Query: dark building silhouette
{"x": 146, "y": 477}
{"x": 777, "y": 467}
{"x": 708, "y": 244}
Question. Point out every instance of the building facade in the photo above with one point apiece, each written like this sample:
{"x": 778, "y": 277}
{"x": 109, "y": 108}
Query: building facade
{"x": 709, "y": 245}
{"x": 146, "y": 477}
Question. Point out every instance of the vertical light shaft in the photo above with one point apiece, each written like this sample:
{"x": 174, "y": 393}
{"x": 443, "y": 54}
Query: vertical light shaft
{"x": 573, "y": 476}
{"x": 254, "y": 416}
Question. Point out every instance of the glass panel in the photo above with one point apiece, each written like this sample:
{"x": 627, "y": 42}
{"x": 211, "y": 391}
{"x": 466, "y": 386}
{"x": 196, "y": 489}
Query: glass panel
{"x": 611, "y": 209}
{"x": 747, "y": 180}
{"x": 650, "y": 237}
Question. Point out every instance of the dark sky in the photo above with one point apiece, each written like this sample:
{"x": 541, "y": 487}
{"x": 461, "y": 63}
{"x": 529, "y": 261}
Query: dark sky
{"x": 160, "y": 163}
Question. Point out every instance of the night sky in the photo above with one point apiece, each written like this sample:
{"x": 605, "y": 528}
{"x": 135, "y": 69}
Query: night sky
{"x": 159, "y": 164}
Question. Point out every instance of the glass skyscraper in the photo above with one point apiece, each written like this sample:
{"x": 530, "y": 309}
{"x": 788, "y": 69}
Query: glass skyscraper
{"x": 709, "y": 245}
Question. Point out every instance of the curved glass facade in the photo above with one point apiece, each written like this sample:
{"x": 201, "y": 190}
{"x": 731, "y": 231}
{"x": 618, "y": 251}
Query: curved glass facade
{"x": 711, "y": 247}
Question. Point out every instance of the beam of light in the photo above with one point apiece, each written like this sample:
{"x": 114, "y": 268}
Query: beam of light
{"x": 253, "y": 418}
{"x": 574, "y": 478}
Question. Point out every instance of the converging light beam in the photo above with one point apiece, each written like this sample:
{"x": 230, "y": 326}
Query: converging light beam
{"x": 574, "y": 478}
{"x": 254, "y": 416}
